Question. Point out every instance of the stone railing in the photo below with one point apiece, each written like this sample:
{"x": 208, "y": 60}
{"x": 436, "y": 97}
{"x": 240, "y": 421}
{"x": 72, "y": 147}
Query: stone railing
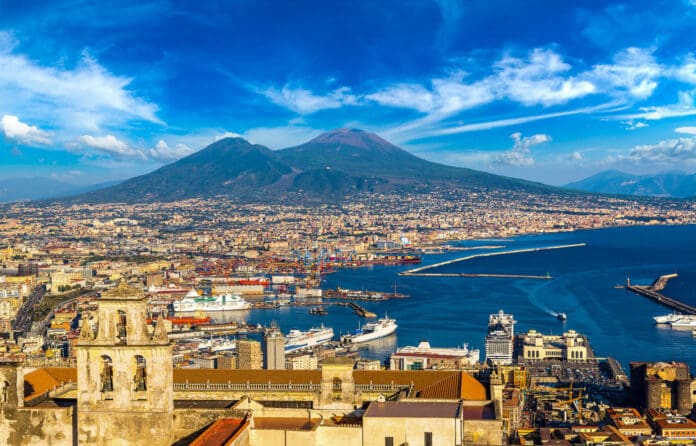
{"x": 242, "y": 387}
{"x": 381, "y": 387}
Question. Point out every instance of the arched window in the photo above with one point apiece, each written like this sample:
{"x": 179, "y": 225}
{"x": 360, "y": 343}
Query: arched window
{"x": 140, "y": 378}
{"x": 107, "y": 374}
{"x": 121, "y": 326}
{"x": 4, "y": 391}
{"x": 337, "y": 384}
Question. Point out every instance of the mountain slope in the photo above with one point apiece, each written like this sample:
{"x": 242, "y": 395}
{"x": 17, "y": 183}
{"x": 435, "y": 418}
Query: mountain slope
{"x": 330, "y": 167}
{"x": 231, "y": 166}
{"x": 672, "y": 184}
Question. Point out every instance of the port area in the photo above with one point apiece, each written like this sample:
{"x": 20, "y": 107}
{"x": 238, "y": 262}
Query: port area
{"x": 652, "y": 292}
{"x": 421, "y": 271}
{"x": 563, "y": 393}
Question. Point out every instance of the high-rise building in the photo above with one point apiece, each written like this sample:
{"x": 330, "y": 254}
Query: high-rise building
{"x": 249, "y": 354}
{"x": 274, "y": 350}
{"x": 499, "y": 340}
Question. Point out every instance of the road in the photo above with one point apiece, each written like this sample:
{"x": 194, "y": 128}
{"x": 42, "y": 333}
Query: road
{"x": 22, "y": 323}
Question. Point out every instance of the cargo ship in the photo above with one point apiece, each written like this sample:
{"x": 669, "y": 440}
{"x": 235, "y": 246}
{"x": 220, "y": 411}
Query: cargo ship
{"x": 223, "y": 302}
{"x": 299, "y": 340}
{"x": 371, "y": 331}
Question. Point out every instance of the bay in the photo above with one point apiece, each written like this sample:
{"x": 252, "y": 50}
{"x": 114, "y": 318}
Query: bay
{"x": 452, "y": 311}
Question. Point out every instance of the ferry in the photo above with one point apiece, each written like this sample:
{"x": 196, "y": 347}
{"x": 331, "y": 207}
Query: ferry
{"x": 223, "y": 302}
{"x": 371, "y": 331}
{"x": 299, "y": 340}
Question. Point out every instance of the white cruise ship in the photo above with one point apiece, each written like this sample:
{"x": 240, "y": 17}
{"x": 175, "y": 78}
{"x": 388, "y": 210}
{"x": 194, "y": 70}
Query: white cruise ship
{"x": 499, "y": 340}
{"x": 223, "y": 302}
{"x": 371, "y": 331}
{"x": 298, "y": 340}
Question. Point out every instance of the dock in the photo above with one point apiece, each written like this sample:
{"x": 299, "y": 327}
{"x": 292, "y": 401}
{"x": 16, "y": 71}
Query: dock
{"x": 360, "y": 311}
{"x": 652, "y": 293}
{"x": 420, "y": 270}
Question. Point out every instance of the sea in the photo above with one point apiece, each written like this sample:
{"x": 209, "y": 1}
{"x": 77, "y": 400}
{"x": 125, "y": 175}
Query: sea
{"x": 453, "y": 311}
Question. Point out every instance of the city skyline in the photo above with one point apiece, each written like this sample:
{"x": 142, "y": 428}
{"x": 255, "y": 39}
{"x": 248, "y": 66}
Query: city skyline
{"x": 95, "y": 92}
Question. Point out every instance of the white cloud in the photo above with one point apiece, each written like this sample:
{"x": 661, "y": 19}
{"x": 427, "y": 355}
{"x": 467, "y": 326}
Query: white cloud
{"x": 79, "y": 99}
{"x": 110, "y": 145}
{"x": 575, "y": 157}
{"x": 227, "y": 135}
{"x": 684, "y": 107}
{"x": 538, "y": 79}
{"x": 405, "y": 96}
{"x": 304, "y": 101}
{"x": 669, "y": 152}
{"x": 634, "y": 125}
{"x": 487, "y": 125}
{"x": 520, "y": 154}
{"x": 164, "y": 153}
{"x": 687, "y": 130}
{"x": 687, "y": 72}
{"x": 634, "y": 71}
{"x": 24, "y": 133}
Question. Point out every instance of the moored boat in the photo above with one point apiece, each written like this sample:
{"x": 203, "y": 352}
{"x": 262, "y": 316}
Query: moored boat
{"x": 299, "y": 340}
{"x": 371, "y": 331}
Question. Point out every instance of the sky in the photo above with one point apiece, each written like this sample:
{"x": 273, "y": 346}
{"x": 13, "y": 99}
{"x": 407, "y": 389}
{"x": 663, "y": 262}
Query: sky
{"x": 551, "y": 91}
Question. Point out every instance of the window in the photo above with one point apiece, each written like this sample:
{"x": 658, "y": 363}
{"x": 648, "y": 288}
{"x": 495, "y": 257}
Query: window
{"x": 140, "y": 378}
{"x": 121, "y": 326}
{"x": 107, "y": 374}
{"x": 388, "y": 441}
{"x": 428, "y": 440}
{"x": 337, "y": 384}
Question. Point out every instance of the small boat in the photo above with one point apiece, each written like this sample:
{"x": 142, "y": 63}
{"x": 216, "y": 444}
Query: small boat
{"x": 318, "y": 311}
{"x": 561, "y": 316}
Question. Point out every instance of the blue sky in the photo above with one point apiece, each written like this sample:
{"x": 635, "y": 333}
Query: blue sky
{"x": 544, "y": 90}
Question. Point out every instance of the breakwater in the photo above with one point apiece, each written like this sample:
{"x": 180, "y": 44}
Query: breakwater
{"x": 420, "y": 270}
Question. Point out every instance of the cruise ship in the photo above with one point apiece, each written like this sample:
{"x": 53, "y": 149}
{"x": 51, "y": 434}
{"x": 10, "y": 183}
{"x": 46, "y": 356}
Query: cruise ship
{"x": 371, "y": 331}
{"x": 499, "y": 340}
{"x": 298, "y": 340}
{"x": 223, "y": 302}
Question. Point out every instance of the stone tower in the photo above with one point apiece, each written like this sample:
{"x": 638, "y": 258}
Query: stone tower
{"x": 124, "y": 375}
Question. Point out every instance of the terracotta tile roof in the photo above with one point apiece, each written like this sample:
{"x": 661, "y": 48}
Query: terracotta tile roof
{"x": 42, "y": 380}
{"x": 278, "y": 423}
{"x": 401, "y": 409}
{"x": 222, "y": 376}
{"x": 222, "y": 432}
{"x": 436, "y": 384}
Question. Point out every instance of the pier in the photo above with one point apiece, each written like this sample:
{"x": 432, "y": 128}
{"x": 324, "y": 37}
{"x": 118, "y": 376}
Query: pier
{"x": 651, "y": 292}
{"x": 420, "y": 270}
{"x": 360, "y": 311}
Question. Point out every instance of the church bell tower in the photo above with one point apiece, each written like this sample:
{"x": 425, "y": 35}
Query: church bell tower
{"x": 124, "y": 375}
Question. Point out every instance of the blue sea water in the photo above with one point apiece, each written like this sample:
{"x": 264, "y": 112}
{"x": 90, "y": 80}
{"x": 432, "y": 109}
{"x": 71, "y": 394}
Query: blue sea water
{"x": 451, "y": 311}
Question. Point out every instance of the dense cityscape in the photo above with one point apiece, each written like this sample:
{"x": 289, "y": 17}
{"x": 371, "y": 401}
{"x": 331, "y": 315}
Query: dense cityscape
{"x": 360, "y": 223}
{"x": 171, "y": 264}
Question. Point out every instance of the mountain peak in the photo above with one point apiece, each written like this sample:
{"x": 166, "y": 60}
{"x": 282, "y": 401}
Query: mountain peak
{"x": 351, "y": 137}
